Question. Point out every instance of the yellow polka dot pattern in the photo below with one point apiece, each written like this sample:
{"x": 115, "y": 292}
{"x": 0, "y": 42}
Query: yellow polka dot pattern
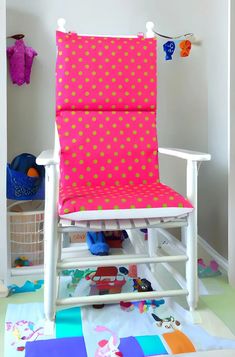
{"x": 105, "y": 73}
{"x": 114, "y": 148}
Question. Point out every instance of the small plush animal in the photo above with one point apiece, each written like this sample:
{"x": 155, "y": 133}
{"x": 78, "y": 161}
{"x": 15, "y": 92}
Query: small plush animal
{"x": 167, "y": 322}
{"x": 20, "y": 62}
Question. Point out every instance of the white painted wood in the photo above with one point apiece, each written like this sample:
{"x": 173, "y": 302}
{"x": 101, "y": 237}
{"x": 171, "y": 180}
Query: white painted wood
{"x": 120, "y": 261}
{"x": 4, "y": 264}
{"x": 61, "y": 24}
{"x": 78, "y": 226}
{"x": 110, "y": 225}
{"x": 139, "y": 223}
{"x": 231, "y": 148}
{"x": 154, "y": 221}
{"x": 86, "y": 257}
{"x": 185, "y": 154}
{"x": 134, "y": 239}
{"x": 124, "y": 224}
{"x": 48, "y": 157}
{"x": 191, "y": 237}
{"x": 152, "y": 245}
{"x": 150, "y": 26}
{"x": 50, "y": 241}
{"x": 23, "y": 271}
{"x": 111, "y": 298}
{"x": 172, "y": 242}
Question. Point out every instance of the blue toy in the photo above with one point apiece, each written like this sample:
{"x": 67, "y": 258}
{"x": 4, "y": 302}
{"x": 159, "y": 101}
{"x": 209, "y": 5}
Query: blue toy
{"x": 28, "y": 286}
{"x": 25, "y": 179}
{"x": 169, "y": 48}
{"x": 96, "y": 243}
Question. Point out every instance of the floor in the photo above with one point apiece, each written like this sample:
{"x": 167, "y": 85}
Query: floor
{"x": 215, "y": 309}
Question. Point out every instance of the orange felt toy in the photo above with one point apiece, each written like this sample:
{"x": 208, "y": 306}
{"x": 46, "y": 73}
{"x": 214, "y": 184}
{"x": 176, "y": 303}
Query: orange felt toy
{"x": 185, "y": 48}
{"x": 32, "y": 172}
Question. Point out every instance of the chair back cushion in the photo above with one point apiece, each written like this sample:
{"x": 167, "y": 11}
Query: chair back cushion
{"x": 106, "y": 110}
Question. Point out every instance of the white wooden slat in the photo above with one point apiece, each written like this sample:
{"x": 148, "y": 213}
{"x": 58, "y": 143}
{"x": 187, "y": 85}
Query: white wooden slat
{"x": 111, "y": 298}
{"x": 153, "y": 221}
{"x": 111, "y": 225}
{"x": 65, "y": 222}
{"x": 125, "y": 224}
{"x": 83, "y": 224}
{"x": 139, "y": 223}
{"x": 96, "y": 225}
{"x": 136, "y": 259}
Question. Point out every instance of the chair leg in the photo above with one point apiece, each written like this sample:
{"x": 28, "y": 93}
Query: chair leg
{"x": 191, "y": 265}
{"x": 152, "y": 245}
{"x": 50, "y": 252}
{"x": 50, "y": 282}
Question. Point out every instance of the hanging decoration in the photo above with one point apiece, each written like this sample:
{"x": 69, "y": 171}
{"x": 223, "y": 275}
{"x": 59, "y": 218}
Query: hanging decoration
{"x": 20, "y": 59}
{"x": 185, "y": 48}
{"x": 169, "y": 47}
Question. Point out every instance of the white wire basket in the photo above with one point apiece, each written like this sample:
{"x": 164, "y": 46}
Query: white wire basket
{"x": 25, "y": 231}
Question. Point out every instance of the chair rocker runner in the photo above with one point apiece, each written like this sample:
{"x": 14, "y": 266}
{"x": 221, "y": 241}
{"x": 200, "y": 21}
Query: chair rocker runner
{"x": 103, "y": 173}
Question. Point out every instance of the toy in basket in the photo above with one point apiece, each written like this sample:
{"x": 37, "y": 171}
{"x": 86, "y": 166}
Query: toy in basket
{"x": 25, "y": 221}
{"x": 25, "y": 179}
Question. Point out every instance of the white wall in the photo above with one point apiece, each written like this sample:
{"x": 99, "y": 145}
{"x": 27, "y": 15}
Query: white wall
{"x": 3, "y": 143}
{"x": 231, "y": 229}
{"x": 214, "y": 179}
{"x": 191, "y": 92}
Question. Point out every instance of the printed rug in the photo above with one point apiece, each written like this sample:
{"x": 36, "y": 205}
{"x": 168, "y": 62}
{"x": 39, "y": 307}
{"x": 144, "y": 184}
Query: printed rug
{"x": 146, "y": 328}
{"x": 161, "y": 330}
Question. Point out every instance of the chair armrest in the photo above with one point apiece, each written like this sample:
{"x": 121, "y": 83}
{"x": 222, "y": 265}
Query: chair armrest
{"x": 185, "y": 154}
{"x": 48, "y": 157}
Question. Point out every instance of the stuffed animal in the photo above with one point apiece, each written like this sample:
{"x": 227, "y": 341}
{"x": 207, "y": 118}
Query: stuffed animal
{"x": 20, "y": 62}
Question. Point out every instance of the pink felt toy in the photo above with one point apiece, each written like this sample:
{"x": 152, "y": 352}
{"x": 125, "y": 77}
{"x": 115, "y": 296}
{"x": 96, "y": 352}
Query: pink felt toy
{"x": 20, "y": 62}
{"x": 108, "y": 348}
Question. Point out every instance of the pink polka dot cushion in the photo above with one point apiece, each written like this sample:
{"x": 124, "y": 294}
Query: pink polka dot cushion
{"x": 139, "y": 196}
{"x": 107, "y": 148}
{"x": 106, "y": 120}
{"x": 104, "y": 73}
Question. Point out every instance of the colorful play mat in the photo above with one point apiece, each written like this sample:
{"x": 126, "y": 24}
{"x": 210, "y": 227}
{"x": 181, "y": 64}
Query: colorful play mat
{"x": 137, "y": 329}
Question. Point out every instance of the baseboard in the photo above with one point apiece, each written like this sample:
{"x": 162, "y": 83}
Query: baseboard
{"x": 223, "y": 262}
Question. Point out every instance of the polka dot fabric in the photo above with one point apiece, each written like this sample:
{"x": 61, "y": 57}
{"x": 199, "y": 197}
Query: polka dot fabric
{"x": 107, "y": 148}
{"x": 104, "y": 73}
{"x": 150, "y": 195}
{"x": 106, "y": 120}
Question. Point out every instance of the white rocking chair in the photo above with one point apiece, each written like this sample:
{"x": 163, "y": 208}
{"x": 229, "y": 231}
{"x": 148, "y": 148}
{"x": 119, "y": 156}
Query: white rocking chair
{"x": 126, "y": 193}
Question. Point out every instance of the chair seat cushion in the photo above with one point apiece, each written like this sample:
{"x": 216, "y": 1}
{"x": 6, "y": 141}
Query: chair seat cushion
{"x": 127, "y": 201}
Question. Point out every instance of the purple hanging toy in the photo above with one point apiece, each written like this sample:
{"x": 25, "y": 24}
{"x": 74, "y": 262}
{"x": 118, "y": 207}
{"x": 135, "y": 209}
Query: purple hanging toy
{"x": 169, "y": 48}
{"x": 20, "y": 62}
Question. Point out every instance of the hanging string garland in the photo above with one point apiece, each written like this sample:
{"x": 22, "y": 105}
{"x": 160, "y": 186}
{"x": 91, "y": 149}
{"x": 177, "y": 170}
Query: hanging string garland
{"x": 170, "y": 46}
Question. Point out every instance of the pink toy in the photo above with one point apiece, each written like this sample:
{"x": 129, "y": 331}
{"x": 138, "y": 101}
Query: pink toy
{"x": 20, "y": 62}
{"x": 126, "y": 306}
{"x": 132, "y": 271}
{"x": 108, "y": 348}
{"x": 205, "y": 271}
